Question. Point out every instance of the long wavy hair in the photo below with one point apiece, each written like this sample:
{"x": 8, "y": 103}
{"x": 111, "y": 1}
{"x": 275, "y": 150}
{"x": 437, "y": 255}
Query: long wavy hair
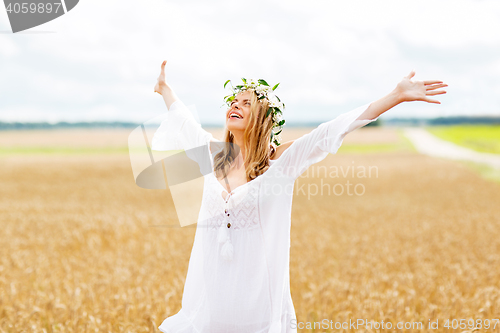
{"x": 257, "y": 137}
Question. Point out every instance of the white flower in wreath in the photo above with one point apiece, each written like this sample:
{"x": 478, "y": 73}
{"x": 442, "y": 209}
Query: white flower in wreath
{"x": 253, "y": 83}
{"x": 267, "y": 89}
{"x": 261, "y": 90}
{"x": 275, "y": 103}
{"x": 271, "y": 98}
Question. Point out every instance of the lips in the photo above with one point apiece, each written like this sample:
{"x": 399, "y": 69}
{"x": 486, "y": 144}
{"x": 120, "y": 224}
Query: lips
{"x": 235, "y": 115}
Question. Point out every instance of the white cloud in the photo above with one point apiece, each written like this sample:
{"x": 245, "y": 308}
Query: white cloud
{"x": 104, "y": 57}
{"x": 8, "y": 48}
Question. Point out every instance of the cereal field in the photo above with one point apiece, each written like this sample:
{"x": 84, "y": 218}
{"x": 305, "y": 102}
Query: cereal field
{"x": 82, "y": 249}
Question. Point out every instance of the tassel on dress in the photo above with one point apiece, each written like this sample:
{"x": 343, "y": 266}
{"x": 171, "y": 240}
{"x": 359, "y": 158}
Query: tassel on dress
{"x": 223, "y": 238}
{"x": 227, "y": 250}
{"x": 222, "y": 234}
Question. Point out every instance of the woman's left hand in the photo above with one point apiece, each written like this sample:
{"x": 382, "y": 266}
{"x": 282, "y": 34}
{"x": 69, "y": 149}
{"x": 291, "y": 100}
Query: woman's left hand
{"x": 409, "y": 90}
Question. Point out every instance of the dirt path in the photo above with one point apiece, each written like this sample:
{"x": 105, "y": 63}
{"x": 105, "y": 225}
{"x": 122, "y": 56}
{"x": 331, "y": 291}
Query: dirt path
{"x": 429, "y": 144}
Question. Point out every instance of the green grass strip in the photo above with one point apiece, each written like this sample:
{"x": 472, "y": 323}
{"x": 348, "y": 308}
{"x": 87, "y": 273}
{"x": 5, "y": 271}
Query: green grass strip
{"x": 481, "y": 138}
{"x": 404, "y": 145}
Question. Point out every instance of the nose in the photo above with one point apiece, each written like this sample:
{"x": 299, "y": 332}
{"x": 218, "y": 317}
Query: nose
{"x": 232, "y": 107}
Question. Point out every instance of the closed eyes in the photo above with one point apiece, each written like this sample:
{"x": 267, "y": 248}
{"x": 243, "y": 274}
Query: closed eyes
{"x": 245, "y": 103}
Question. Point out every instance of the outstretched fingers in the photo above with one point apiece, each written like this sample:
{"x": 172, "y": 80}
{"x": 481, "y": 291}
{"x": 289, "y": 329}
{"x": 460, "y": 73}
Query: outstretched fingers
{"x": 432, "y": 92}
{"x": 437, "y": 92}
{"x": 430, "y": 100}
{"x": 412, "y": 74}
{"x": 162, "y": 73}
{"x": 161, "y": 77}
{"x": 432, "y": 87}
{"x": 432, "y": 82}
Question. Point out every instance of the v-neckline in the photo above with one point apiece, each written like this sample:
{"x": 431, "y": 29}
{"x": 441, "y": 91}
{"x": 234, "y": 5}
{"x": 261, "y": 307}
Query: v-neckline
{"x": 217, "y": 180}
{"x": 237, "y": 187}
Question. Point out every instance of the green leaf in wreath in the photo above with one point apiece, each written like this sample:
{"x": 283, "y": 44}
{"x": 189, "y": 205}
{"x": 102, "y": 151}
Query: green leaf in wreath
{"x": 276, "y": 86}
{"x": 268, "y": 112}
{"x": 263, "y": 82}
{"x": 226, "y": 83}
{"x": 244, "y": 80}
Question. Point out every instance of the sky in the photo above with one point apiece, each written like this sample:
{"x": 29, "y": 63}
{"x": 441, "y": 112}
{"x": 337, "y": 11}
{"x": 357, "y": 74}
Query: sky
{"x": 100, "y": 61}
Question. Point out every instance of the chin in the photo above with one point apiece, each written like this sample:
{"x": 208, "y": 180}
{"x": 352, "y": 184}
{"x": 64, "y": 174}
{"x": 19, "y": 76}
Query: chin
{"x": 234, "y": 127}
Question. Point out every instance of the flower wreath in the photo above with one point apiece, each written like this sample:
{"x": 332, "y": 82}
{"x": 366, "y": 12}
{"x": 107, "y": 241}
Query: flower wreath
{"x": 263, "y": 90}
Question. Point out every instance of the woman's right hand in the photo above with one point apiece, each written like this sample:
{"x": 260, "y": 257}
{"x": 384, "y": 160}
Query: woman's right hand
{"x": 161, "y": 83}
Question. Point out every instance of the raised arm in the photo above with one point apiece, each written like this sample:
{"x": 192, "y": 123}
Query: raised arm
{"x": 405, "y": 91}
{"x": 179, "y": 130}
{"x": 298, "y": 155}
{"x": 164, "y": 89}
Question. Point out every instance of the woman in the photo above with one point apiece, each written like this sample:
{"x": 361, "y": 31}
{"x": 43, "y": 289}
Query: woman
{"x": 238, "y": 274}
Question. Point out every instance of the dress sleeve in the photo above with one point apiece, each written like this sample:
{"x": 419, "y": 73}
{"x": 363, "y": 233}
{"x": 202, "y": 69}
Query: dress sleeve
{"x": 314, "y": 146}
{"x": 179, "y": 130}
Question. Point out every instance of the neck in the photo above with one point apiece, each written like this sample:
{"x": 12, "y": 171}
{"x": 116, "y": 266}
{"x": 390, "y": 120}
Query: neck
{"x": 239, "y": 141}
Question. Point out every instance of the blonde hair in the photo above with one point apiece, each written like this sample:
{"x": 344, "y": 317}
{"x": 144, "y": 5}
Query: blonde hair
{"x": 257, "y": 138}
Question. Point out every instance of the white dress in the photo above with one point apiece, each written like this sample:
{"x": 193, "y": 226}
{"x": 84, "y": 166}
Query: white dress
{"x": 248, "y": 290}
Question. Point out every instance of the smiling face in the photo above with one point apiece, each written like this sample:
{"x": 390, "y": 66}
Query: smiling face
{"x": 248, "y": 128}
{"x": 238, "y": 115}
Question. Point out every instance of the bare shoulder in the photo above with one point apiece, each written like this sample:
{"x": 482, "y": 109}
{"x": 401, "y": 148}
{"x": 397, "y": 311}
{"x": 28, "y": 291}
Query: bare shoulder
{"x": 281, "y": 149}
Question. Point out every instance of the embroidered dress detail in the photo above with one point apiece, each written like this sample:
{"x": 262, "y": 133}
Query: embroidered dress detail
{"x": 238, "y": 275}
{"x": 240, "y": 211}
